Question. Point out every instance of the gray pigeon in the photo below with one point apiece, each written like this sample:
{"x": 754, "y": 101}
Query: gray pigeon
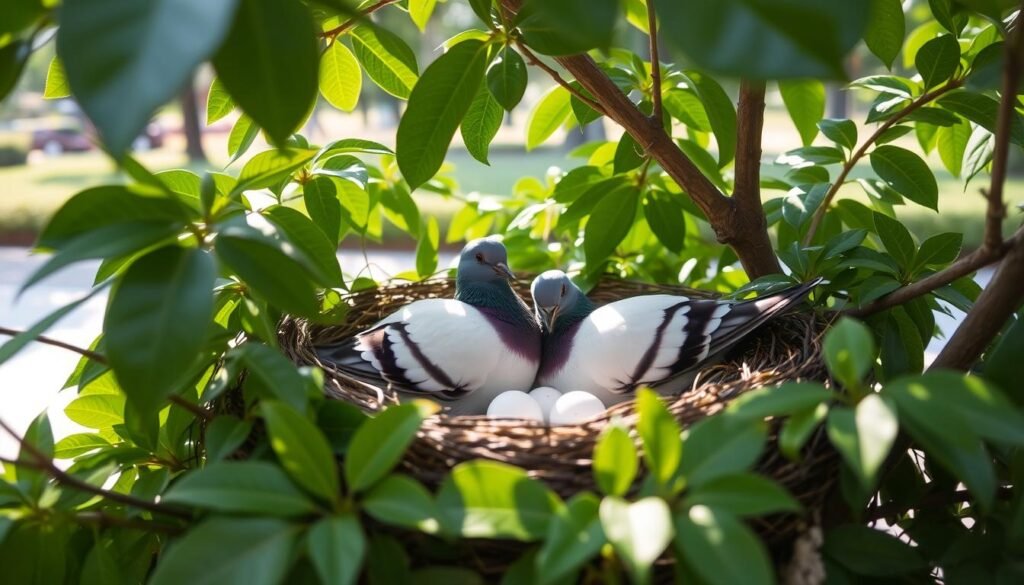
{"x": 464, "y": 351}
{"x": 647, "y": 340}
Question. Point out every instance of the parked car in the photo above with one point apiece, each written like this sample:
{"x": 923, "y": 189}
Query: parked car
{"x": 54, "y": 141}
{"x": 152, "y": 137}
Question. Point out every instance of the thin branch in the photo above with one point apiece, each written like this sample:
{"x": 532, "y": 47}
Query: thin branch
{"x": 104, "y": 520}
{"x": 921, "y": 101}
{"x": 750, "y": 123}
{"x": 532, "y": 59}
{"x": 96, "y": 357}
{"x": 350, "y": 23}
{"x": 195, "y": 409}
{"x": 652, "y": 27}
{"x": 41, "y": 462}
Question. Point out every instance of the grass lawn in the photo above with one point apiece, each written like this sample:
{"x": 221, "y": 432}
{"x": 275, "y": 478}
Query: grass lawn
{"x": 30, "y": 193}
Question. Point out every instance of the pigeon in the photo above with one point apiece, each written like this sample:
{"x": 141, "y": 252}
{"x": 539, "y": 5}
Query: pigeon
{"x": 649, "y": 340}
{"x": 463, "y": 351}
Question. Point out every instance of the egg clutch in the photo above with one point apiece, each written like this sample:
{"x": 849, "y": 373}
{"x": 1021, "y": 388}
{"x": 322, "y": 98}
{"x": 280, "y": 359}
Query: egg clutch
{"x": 546, "y": 405}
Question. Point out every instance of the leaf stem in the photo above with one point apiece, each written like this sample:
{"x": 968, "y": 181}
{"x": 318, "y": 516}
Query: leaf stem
{"x": 534, "y": 60}
{"x": 922, "y": 100}
{"x": 652, "y": 26}
{"x": 352, "y": 22}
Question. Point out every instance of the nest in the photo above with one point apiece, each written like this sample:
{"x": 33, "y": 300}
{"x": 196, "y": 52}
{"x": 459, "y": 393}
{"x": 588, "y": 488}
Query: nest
{"x": 786, "y": 349}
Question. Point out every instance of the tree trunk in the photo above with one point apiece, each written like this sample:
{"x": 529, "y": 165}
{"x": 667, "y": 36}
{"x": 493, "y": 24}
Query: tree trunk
{"x": 191, "y": 124}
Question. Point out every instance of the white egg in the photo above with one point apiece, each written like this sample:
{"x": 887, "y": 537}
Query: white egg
{"x": 515, "y": 404}
{"x": 575, "y": 407}
{"x": 546, "y": 396}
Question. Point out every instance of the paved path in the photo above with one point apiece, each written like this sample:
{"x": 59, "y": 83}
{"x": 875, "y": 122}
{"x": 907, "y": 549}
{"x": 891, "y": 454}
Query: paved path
{"x": 31, "y": 382}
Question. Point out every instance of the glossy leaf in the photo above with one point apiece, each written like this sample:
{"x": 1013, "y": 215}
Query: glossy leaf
{"x": 896, "y": 239}
{"x": 321, "y": 199}
{"x": 547, "y": 116}
{"x": 937, "y": 60}
{"x": 665, "y": 215}
{"x": 574, "y": 536}
{"x": 805, "y": 101}
{"x": 615, "y": 461}
{"x": 437, "y": 106}
{"x": 864, "y": 436}
{"x": 871, "y": 552}
{"x": 720, "y": 111}
{"x": 99, "y": 411}
{"x": 337, "y": 547}
{"x": 481, "y": 124}
{"x": 661, "y": 435}
{"x": 609, "y": 223}
{"x": 243, "y": 487}
{"x": 301, "y": 232}
{"x": 720, "y": 548}
{"x": 218, "y": 102}
{"x": 402, "y": 501}
{"x": 939, "y": 250}
{"x": 224, "y": 435}
{"x": 270, "y": 375}
{"x": 983, "y": 110}
{"x": 147, "y": 50}
{"x": 798, "y": 429}
{"x": 787, "y": 399}
{"x": 268, "y": 63}
{"x": 719, "y": 446}
{"x": 744, "y": 494}
{"x": 885, "y": 30}
{"x": 56, "y": 81}
{"x": 639, "y": 532}
{"x": 341, "y": 78}
{"x": 386, "y": 58}
{"x": 379, "y": 444}
{"x": 849, "y": 351}
{"x": 426, "y": 249}
{"x": 842, "y": 132}
{"x": 543, "y": 25}
{"x": 506, "y": 78}
{"x": 952, "y": 144}
{"x": 302, "y": 450}
{"x": 420, "y": 11}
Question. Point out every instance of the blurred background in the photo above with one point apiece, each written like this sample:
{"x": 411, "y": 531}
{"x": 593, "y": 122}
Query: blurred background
{"x": 48, "y": 152}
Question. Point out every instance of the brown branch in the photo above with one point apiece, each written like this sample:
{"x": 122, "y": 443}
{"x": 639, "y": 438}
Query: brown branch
{"x": 921, "y": 101}
{"x": 41, "y": 462}
{"x": 532, "y": 59}
{"x": 652, "y": 27}
{"x": 102, "y": 359}
{"x": 750, "y": 122}
{"x": 350, "y": 23}
{"x": 96, "y": 357}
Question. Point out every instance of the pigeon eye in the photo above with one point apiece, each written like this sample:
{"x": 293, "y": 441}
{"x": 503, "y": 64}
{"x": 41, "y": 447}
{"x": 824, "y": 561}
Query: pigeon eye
{"x": 479, "y": 257}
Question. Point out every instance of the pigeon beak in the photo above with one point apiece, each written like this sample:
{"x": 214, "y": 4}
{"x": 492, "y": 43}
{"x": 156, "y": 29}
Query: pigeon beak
{"x": 503, "y": 269}
{"x": 548, "y": 316}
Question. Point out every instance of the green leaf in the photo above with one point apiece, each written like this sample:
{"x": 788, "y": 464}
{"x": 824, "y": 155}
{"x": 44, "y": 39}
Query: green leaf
{"x": 896, "y": 239}
{"x": 798, "y": 428}
{"x": 269, "y": 271}
{"x": 720, "y": 111}
{"x": 937, "y": 60}
{"x": 270, "y": 167}
{"x": 402, "y": 501}
{"x": 243, "y": 487}
{"x": 143, "y": 50}
{"x": 110, "y": 241}
{"x": 321, "y": 200}
{"x": 805, "y": 102}
{"x": 885, "y": 30}
{"x": 749, "y": 38}
{"x": 546, "y": 29}
{"x": 307, "y": 237}
{"x": 905, "y": 172}
{"x": 341, "y": 79}
{"x": 13, "y": 57}
{"x": 218, "y": 102}
{"x": 271, "y": 375}
{"x": 685, "y": 106}
{"x": 871, "y": 552}
{"x": 661, "y": 435}
{"x": 609, "y": 223}
{"x": 355, "y": 205}
{"x": 437, "y": 105}
{"x": 719, "y": 446}
{"x": 302, "y": 450}
{"x": 615, "y": 462}
{"x": 1001, "y": 363}
{"x": 720, "y": 548}
{"x": 744, "y": 494}
{"x": 487, "y": 499}
{"x": 849, "y": 351}
{"x": 98, "y": 207}
{"x": 842, "y": 132}
{"x": 983, "y": 110}
{"x": 952, "y": 144}
{"x": 665, "y": 215}
{"x": 639, "y": 532}
{"x": 864, "y": 436}
{"x": 551, "y": 110}
{"x": 268, "y": 63}
{"x": 574, "y": 537}
{"x": 156, "y": 322}
{"x": 56, "y": 81}
{"x": 420, "y": 11}
{"x": 506, "y": 78}
{"x": 224, "y": 435}
{"x": 97, "y": 411}
{"x": 939, "y": 250}
{"x": 426, "y": 249}
{"x": 386, "y": 58}
{"x": 220, "y": 551}
{"x": 787, "y": 399}
{"x": 337, "y": 547}
{"x": 404, "y": 212}
{"x": 242, "y": 135}
{"x": 481, "y": 124}
{"x": 379, "y": 444}
{"x": 77, "y": 444}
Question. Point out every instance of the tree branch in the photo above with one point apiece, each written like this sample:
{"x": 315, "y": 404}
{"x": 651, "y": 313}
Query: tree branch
{"x": 922, "y": 100}
{"x": 41, "y": 462}
{"x": 750, "y": 122}
{"x": 352, "y": 22}
{"x": 652, "y": 27}
{"x": 532, "y": 59}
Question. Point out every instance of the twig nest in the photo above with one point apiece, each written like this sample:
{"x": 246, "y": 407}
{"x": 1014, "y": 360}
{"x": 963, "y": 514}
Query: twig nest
{"x": 515, "y": 404}
{"x": 575, "y": 407}
{"x": 546, "y": 396}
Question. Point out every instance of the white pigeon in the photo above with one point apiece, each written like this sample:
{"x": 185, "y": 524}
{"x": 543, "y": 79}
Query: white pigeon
{"x": 649, "y": 340}
{"x": 463, "y": 351}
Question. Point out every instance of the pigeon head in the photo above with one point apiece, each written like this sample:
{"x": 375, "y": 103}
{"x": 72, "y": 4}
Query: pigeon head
{"x": 554, "y": 295}
{"x": 484, "y": 260}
